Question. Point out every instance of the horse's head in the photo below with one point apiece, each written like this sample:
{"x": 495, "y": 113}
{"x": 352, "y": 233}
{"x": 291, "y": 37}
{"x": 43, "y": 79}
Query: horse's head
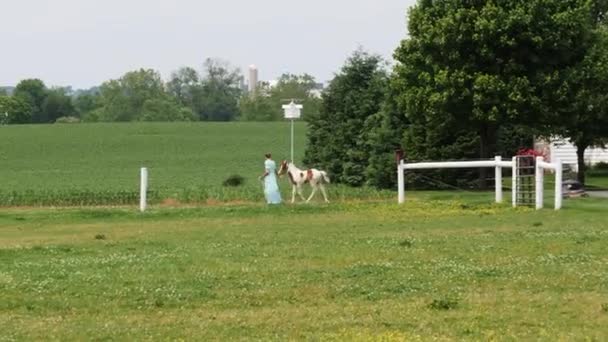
{"x": 283, "y": 168}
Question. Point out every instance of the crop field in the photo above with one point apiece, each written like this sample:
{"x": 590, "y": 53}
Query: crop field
{"x": 98, "y": 164}
{"x": 447, "y": 270}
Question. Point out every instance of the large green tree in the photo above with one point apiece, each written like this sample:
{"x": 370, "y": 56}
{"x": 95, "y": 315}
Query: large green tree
{"x": 260, "y": 106}
{"x": 123, "y": 99}
{"x": 14, "y": 110}
{"x": 87, "y": 101}
{"x": 382, "y": 135}
{"x": 57, "y": 104}
{"x": 221, "y": 89}
{"x": 336, "y": 136}
{"x": 185, "y": 86}
{"x": 166, "y": 110}
{"x": 583, "y": 114}
{"x": 470, "y": 67}
{"x": 34, "y": 92}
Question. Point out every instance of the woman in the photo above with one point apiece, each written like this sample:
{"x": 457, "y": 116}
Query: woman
{"x": 271, "y": 188}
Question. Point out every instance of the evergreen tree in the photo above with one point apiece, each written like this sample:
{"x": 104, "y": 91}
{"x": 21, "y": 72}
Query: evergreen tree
{"x": 337, "y": 134}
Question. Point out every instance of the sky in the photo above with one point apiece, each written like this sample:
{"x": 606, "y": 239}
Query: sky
{"x": 83, "y": 43}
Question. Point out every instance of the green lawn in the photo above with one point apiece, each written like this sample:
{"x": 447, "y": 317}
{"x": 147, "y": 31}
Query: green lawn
{"x": 598, "y": 180}
{"x": 447, "y": 270}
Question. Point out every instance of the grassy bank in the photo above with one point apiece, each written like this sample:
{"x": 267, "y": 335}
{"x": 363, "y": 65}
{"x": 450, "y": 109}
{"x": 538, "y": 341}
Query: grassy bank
{"x": 353, "y": 271}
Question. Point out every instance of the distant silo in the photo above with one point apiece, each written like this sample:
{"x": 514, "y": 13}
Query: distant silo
{"x": 253, "y": 78}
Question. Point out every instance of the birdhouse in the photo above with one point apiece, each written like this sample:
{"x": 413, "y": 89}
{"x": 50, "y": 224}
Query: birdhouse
{"x": 292, "y": 110}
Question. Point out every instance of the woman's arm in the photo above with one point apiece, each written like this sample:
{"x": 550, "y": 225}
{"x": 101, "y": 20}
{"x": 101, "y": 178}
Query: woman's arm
{"x": 264, "y": 175}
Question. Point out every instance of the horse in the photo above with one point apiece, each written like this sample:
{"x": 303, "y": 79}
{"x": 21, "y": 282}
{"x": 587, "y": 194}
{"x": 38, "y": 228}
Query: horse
{"x": 316, "y": 178}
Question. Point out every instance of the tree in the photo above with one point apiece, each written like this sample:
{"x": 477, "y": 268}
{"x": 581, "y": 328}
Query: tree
{"x": 87, "y": 101}
{"x": 34, "y": 92}
{"x": 336, "y": 136}
{"x": 165, "y": 110}
{"x": 470, "y": 67}
{"x": 299, "y": 87}
{"x": 583, "y": 116}
{"x": 57, "y": 104}
{"x": 123, "y": 99}
{"x": 220, "y": 91}
{"x": 14, "y": 110}
{"x": 259, "y": 106}
{"x": 383, "y": 137}
{"x": 185, "y": 86}
{"x": 266, "y": 103}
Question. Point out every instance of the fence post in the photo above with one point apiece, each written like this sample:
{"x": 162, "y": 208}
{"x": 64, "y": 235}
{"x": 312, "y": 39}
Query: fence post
{"x": 539, "y": 183}
{"x": 401, "y": 181}
{"x": 498, "y": 179}
{"x": 143, "y": 189}
{"x": 514, "y": 182}
{"x": 558, "y": 183}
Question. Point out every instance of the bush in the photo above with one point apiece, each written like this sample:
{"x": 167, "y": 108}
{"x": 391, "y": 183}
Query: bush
{"x": 443, "y": 304}
{"x": 234, "y": 180}
{"x": 67, "y": 120}
{"x": 599, "y": 170}
{"x": 95, "y": 115}
{"x": 601, "y": 166}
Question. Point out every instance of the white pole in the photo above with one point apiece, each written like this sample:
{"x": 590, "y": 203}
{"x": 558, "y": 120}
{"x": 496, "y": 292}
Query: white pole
{"x": 539, "y": 183}
{"x": 401, "y": 182}
{"x": 498, "y": 179}
{"x": 292, "y": 140}
{"x": 143, "y": 189}
{"x": 558, "y": 183}
{"x": 514, "y": 183}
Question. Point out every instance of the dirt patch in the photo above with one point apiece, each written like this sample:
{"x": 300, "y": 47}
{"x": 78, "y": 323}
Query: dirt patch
{"x": 170, "y": 202}
{"x": 212, "y": 202}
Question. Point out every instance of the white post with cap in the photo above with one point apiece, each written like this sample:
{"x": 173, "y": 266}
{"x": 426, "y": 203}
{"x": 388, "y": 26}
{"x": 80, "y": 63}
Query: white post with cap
{"x": 143, "y": 189}
{"x": 292, "y": 111}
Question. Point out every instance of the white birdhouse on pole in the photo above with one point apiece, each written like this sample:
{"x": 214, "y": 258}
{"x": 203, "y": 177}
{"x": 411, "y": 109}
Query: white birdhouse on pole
{"x": 292, "y": 112}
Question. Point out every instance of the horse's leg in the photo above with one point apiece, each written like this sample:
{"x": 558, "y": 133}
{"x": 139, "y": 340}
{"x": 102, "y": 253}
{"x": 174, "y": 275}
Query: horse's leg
{"x": 324, "y": 193}
{"x": 314, "y": 190}
{"x": 300, "y": 193}
{"x": 293, "y": 193}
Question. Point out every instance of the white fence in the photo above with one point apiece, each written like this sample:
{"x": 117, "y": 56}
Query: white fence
{"x": 557, "y": 167}
{"x": 498, "y": 164}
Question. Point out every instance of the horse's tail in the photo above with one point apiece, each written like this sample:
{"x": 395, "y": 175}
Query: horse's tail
{"x": 325, "y": 177}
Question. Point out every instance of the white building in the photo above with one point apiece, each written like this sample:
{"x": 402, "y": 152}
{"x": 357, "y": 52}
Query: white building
{"x": 253, "y": 78}
{"x": 566, "y": 151}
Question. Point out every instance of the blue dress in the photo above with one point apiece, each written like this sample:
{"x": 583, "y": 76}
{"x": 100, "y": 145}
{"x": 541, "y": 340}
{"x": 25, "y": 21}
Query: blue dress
{"x": 271, "y": 188}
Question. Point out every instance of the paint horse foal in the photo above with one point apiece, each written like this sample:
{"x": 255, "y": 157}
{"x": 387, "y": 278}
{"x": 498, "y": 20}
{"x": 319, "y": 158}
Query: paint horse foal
{"x": 316, "y": 178}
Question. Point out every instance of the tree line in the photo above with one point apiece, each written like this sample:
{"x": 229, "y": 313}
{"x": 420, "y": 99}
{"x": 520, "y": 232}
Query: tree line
{"x": 213, "y": 94}
{"x": 473, "y": 79}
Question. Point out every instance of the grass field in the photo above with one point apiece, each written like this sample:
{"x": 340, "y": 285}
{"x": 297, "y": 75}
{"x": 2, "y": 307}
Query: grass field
{"x": 98, "y": 164}
{"x": 448, "y": 270}
{"x": 92, "y": 164}
{"x": 446, "y": 265}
